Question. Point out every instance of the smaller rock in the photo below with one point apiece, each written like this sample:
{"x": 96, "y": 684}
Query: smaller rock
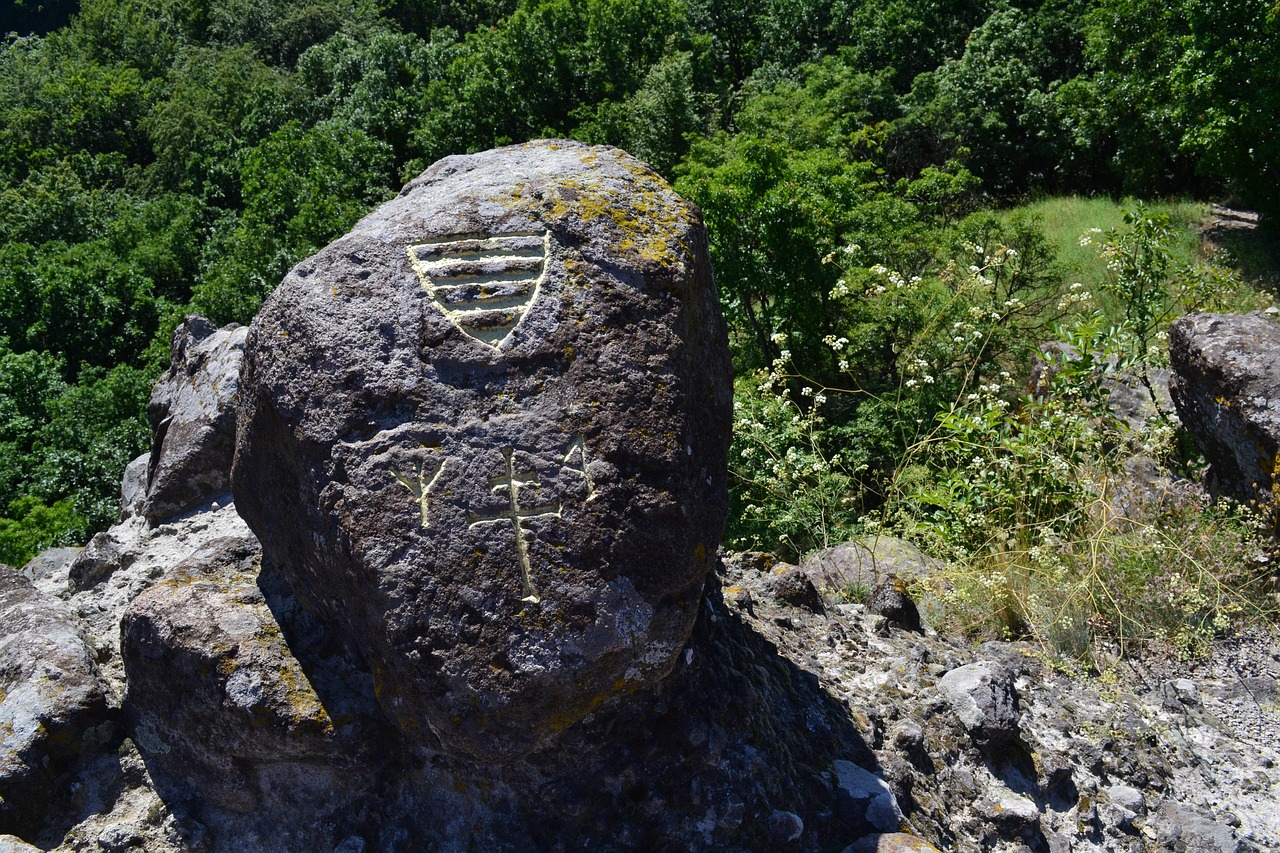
{"x": 193, "y": 419}
{"x": 54, "y": 710}
{"x": 865, "y": 799}
{"x": 351, "y": 844}
{"x": 1128, "y": 797}
{"x": 48, "y": 562}
{"x": 118, "y": 837}
{"x": 907, "y": 735}
{"x": 790, "y": 585}
{"x": 739, "y": 598}
{"x": 785, "y": 827}
{"x": 891, "y": 842}
{"x": 13, "y": 844}
{"x": 750, "y": 561}
{"x": 1009, "y": 810}
{"x": 862, "y": 564}
{"x": 133, "y": 486}
{"x": 101, "y": 558}
{"x": 890, "y": 599}
{"x": 984, "y": 699}
{"x": 218, "y": 701}
{"x": 1186, "y": 691}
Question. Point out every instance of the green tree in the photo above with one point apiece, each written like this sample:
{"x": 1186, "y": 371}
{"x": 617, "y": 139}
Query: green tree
{"x": 303, "y": 187}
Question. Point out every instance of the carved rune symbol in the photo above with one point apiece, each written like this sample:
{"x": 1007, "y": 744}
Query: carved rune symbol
{"x": 516, "y": 515}
{"x": 420, "y": 486}
{"x": 484, "y": 285}
{"x": 579, "y": 446}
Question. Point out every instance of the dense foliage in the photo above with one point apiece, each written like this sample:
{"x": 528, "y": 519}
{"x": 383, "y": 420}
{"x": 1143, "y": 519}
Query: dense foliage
{"x": 163, "y": 156}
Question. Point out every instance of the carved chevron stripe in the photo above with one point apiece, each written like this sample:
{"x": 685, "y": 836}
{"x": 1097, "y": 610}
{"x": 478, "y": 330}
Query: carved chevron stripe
{"x": 483, "y": 285}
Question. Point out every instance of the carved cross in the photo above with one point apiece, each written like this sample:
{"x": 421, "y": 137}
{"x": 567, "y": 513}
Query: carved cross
{"x": 516, "y": 515}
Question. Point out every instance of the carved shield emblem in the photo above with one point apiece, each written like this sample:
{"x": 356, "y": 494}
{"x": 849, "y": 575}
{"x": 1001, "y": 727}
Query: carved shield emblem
{"x": 484, "y": 285}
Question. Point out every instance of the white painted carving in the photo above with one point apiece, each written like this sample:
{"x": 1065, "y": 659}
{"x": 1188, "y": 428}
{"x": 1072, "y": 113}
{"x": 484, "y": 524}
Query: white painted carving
{"x": 484, "y": 285}
{"x": 578, "y": 447}
{"x": 420, "y": 487}
{"x": 517, "y": 515}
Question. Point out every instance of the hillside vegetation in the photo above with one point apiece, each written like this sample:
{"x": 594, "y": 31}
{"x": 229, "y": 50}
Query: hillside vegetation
{"x": 900, "y": 197}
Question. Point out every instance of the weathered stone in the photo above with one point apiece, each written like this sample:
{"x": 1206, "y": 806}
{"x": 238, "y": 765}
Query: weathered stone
{"x": 193, "y": 419}
{"x": 890, "y": 599}
{"x": 486, "y": 433}
{"x": 12, "y": 844}
{"x": 860, "y": 565}
{"x": 1226, "y": 387}
{"x": 790, "y": 585}
{"x": 218, "y": 704}
{"x": 48, "y": 562}
{"x": 53, "y": 707}
{"x": 866, "y": 799}
{"x": 133, "y": 486}
{"x": 98, "y": 560}
{"x": 984, "y": 699}
{"x": 891, "y": 842}
{"x": 785, "y": 827}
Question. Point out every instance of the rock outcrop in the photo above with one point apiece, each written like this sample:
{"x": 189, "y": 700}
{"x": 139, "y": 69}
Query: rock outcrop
{"x": 1226, "y": 387}
{"x": 193, "y": 419}
{"x": 484, "y": 435}
{"x": 54, "y": 706}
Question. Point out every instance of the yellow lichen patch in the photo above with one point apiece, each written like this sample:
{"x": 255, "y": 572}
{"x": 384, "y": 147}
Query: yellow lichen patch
{"x": 562, "y": 720}
{"x": 304, "y": 706}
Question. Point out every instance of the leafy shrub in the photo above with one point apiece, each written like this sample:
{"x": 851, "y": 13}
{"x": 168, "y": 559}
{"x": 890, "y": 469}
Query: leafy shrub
{"x": 1016, "y": 485}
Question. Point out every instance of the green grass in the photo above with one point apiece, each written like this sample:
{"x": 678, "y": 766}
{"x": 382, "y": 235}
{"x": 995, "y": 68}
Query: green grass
{"x": 1253, "y": 255}
{"x": 1066, "y": 218}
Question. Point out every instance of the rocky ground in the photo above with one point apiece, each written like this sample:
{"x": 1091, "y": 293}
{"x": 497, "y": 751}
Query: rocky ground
{"x": 961, "y": 747}
{"x": 1166, "y": 755}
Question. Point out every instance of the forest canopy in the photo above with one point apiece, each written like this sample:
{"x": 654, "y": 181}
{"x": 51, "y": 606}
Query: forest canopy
{"x": 159, "y": 157}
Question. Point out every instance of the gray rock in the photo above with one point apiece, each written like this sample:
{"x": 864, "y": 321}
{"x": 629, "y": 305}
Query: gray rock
{"x": 891, "y": 842}
{"x": 98, "y": 560}
{"x": 890, "y": 599}
{"x": 1226, "y": 387}
{"x": 1008, "y": 810}
{"x": 49, "y": 562}
{"x": 863, "y": 564}
{"x": 1131, "y": 401}
{"x": 12, "y": 844}
{"x": 133, "y": 486}
{"x": 1183, "y": 827}
{"x": 193, "y": 418}
{"x": 485, "y": 436}
{"x": 119, "y": 837}
{"x": 219, "y": 706}
{"x": 983, "y": 697}
{"x": 866, "y": 799}
{"x": 790, "y": 585}
{"x": 54, "y": 710}
{"x": 785, "y": 827}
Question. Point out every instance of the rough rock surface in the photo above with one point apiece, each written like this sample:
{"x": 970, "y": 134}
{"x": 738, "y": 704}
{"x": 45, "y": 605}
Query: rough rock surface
{"x": 891, "y": 599}
{"x": 221, "y": 707}
{"x": 1226, "y": 387}
{"x": 864, "y": 563}
{"x": 193, "y": 419}
{"x": 486, "y": 434}
{"x": 53, "y": 704}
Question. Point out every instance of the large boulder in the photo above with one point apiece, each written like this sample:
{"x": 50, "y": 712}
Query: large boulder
{"x": 225, "y": 715}
{"x": 54, "y": 708}
{"x": 193, "y": 420}
{"x": 485, "y": 435}
{"x": 1226, "y": 387}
